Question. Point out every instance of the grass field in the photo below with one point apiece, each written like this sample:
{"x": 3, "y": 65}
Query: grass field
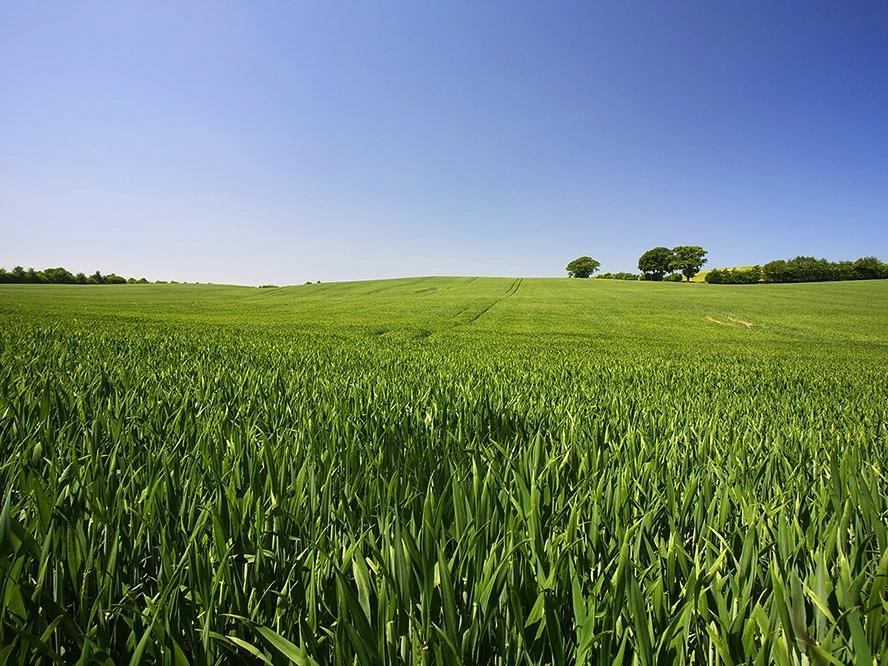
{"x": 444, "y": 470}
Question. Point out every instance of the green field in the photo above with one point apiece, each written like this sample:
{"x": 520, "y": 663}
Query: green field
{"x": 444, "y": 470}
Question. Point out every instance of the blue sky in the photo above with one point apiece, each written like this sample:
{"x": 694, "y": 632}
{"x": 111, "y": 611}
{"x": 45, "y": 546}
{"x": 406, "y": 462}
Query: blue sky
{"x": 281, "y": 142}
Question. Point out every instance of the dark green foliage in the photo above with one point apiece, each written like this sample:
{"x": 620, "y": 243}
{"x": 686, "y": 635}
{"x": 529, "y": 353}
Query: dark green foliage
{"x": 734, "y": 275}
{"x": 582, "y": 267}
{"x": 809, "y": 269}
{"x": 617, "y": 276}
{"x": 57, "y": 276}
{"x": 802, "y": 269}
{"x": 19, "y": 275}
{"x": 656, "y": 263}
{"x": 673, "y": 277}
{"x": 869, "y": 268}
{"x": 688, "y": 260}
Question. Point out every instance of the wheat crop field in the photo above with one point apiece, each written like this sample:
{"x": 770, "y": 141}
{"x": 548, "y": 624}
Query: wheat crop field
{"x": 444, "y": 471}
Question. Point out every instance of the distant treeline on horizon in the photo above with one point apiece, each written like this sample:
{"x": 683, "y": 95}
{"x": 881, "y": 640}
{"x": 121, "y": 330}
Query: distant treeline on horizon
{"x": 59, "y": 275}
{"x": 799, "y": 269}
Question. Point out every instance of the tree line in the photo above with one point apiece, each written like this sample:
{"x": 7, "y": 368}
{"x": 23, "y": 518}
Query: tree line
{"x": 59, "y": 275}
{"x": 657, "y": 264}
{"x": 801, "y": 269}
{"x": 685, "y": 261}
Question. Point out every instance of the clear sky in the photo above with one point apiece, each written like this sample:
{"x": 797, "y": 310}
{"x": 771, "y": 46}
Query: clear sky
{"x": 253, "y": 142}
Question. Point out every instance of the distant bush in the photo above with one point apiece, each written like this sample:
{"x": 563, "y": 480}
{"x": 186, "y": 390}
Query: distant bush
{"x": 59, "y": 275}
{"x": 734, "y": 275}
{"x": 268, "y": 286}
{"x": 617, "y": 276}
{"x": 673, "y": 277}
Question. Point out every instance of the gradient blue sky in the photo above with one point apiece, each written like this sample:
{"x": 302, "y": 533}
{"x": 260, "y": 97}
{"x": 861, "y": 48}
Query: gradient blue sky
{"x": 262, "y": 142}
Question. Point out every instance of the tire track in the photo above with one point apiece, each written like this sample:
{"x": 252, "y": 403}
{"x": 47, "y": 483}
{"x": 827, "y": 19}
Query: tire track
{"x": 398, "y": 283}
{"x": 516, "y": 284}
{"x": 483, "y": 312}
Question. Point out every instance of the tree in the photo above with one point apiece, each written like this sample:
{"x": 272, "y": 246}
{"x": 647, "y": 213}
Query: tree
{"x": 58, "y": 276}
{"x": 688, "y": 259}
{"x": 869, "y": 268}
{"x": 582, "y": 267}
{"x": 655, "y": 263}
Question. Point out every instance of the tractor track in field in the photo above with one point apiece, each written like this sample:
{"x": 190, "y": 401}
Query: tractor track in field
{"x": 390, "y": 286}
{"x": 513, "y": 288}
{"x": 481, "y": 313}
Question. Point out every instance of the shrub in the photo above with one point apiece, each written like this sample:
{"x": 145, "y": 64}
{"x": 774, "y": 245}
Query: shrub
{"x": 809, "y": 269}
{"x": 868, "y": 268}
{"x": 734, "y": 275}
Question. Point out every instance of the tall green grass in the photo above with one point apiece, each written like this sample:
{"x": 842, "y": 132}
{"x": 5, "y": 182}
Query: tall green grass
{"x": 206, "y": 488}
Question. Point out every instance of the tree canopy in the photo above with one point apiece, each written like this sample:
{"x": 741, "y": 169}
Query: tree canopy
{"x": 688, "y": 260}
{"x": 582, "y": 267}
{"x": 655, "y": 263}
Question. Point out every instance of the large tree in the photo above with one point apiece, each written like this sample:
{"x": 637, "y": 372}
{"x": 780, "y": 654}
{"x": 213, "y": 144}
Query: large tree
{"x": 688, "y": 259}
{"x": 655, "y": 263}
{"x": 582, "y": 267}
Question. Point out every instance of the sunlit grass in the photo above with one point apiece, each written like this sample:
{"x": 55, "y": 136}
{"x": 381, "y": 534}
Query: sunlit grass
{"x": 444, "y": 470}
